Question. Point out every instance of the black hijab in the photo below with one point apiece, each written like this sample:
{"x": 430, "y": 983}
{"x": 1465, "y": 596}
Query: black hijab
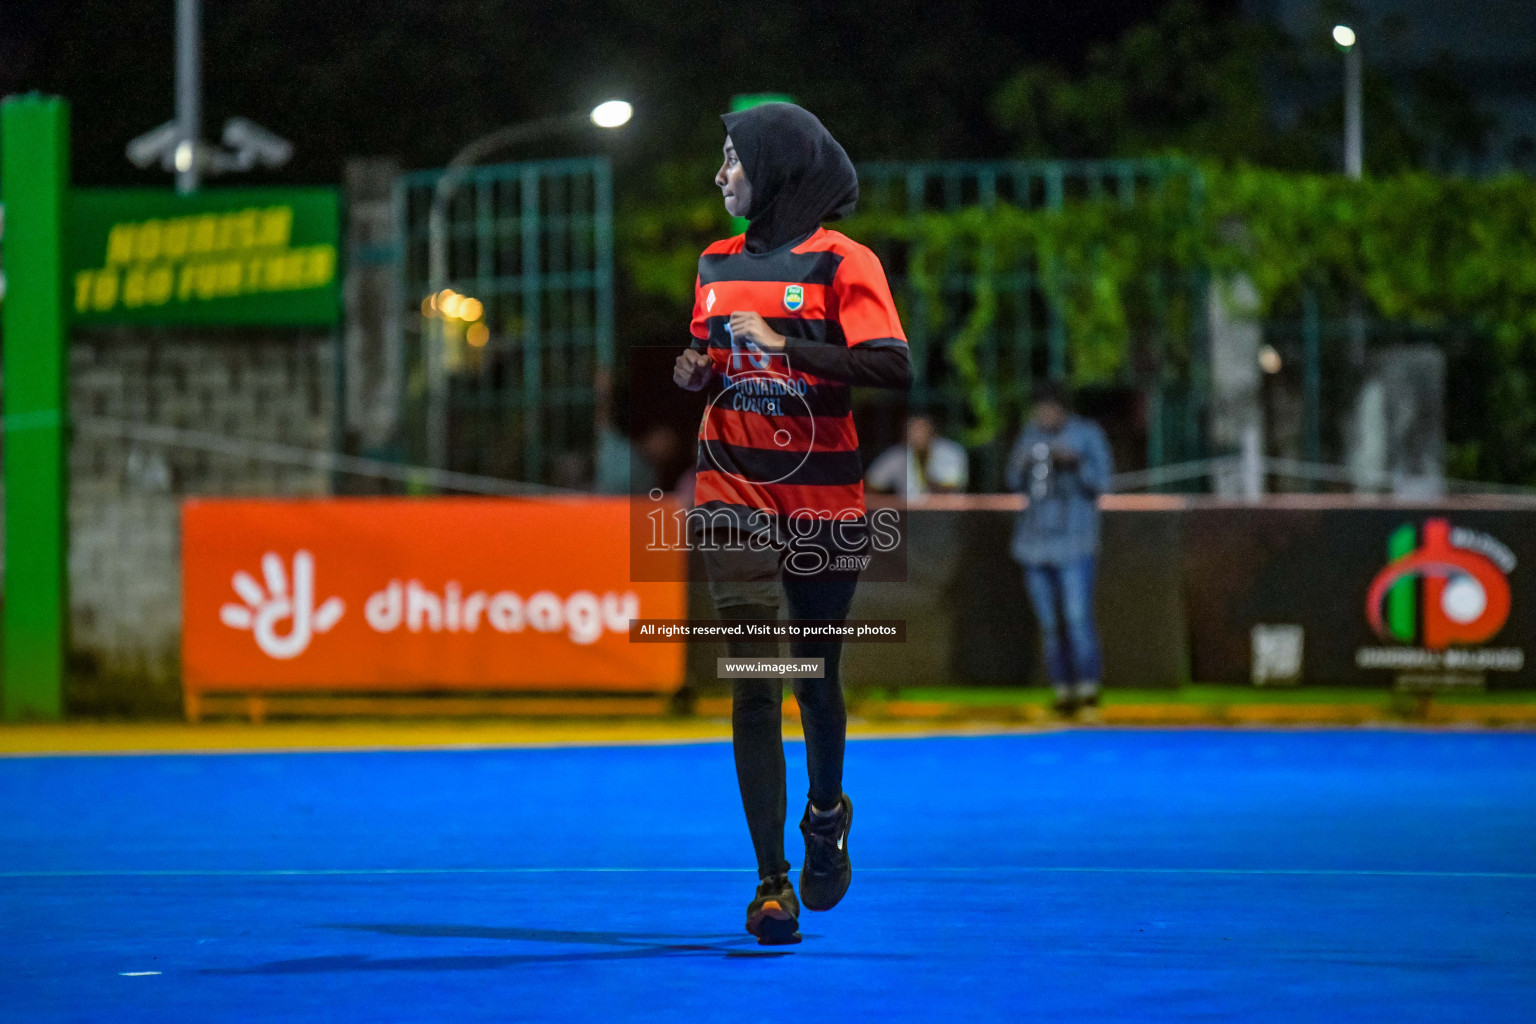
{"x": 800, "y": 176}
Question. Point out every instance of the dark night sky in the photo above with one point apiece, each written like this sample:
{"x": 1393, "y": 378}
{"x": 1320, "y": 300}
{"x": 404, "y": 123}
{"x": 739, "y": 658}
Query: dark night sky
{"x": 898, "y": 79}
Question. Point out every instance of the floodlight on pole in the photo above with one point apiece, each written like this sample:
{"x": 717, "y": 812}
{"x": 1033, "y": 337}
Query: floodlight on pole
{"x": 1354, "y": 163}
{"x": 1346, "y": 39}
{"x": 612, "y": 114}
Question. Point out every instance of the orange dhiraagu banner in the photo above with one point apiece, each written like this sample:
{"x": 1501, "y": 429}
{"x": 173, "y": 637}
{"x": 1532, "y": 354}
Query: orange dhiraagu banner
{"x": 415, "y": 594}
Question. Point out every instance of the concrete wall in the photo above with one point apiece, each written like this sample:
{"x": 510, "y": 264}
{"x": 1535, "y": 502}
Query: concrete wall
{"x": 264, "y": 385}
{"x": 124, "y": 558}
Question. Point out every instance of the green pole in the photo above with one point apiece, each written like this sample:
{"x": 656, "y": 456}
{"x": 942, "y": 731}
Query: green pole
{"x": 746, "y": 101}
{"x": 34, "y": 172}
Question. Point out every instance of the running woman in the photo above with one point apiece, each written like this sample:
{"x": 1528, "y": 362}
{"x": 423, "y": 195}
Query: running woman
{"x": 786, "y": 318}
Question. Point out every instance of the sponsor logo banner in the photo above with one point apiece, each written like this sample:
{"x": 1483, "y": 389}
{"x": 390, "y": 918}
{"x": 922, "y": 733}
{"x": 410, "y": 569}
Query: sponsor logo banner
{"x": 1431, "y": 595}
{"x": 418, "y": 594}
{"x": 1444, "y": 592}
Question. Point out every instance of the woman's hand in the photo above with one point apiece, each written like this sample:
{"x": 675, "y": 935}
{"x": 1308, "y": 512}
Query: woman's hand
{"x": 692, "y": 370}
{"x": 752, "y": 327}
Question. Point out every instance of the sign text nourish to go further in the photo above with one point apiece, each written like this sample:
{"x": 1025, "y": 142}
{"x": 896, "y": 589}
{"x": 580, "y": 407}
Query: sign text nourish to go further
{"x": 227, "y": 256}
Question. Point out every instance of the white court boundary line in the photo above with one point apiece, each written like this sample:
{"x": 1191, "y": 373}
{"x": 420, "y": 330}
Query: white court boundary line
{"x": 999, "y": 869}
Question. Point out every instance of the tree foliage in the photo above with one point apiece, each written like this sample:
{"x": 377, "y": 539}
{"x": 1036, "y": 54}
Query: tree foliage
{"x": 1422, "y": 247}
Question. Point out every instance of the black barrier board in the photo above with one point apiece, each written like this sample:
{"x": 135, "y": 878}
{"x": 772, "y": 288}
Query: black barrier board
{"x": 1414, "y": 597}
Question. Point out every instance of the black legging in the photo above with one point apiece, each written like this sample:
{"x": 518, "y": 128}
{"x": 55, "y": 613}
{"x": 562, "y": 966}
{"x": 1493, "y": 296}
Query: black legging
{"x": 757, "y": 716}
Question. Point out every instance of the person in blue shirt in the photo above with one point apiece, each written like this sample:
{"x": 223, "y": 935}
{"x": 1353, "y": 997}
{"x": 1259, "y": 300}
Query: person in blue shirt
{"x": 1061, "y": 463}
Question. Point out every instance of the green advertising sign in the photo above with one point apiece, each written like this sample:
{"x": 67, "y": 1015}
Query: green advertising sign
{"x": 226, "y": 256}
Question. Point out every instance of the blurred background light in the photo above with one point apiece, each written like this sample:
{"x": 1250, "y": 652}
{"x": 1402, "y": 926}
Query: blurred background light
{"x": 612, "y": 114}
{"x": 1344, "y": 36}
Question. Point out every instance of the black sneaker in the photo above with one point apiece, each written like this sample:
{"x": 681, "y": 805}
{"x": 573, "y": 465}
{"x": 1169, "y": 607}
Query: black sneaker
{"x": 774, "y": 913}
{"x": 1066, "y": 706}
{"x": 825, "y": 875}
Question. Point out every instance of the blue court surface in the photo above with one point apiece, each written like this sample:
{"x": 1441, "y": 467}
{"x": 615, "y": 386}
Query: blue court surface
{"x": 1077, "y": 876}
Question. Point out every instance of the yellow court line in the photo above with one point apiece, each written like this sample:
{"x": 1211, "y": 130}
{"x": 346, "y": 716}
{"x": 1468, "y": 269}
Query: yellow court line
{"x": 31, "y": 739}
{"x": 233, "y": 737}
{"x": 153, "y": 737}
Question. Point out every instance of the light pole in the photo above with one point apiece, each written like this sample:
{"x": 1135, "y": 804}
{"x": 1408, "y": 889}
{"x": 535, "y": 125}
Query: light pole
{"x": 189, "y": 93}
{"x": 610, "y": 114}
{"x": 1344, "y": 36}
{"x": 1367, "y": 456}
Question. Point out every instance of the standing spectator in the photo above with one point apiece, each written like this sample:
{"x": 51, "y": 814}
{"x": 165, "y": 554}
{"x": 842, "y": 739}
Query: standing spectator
{"x": 926, "y": 464}
{"x": 1062, "y": 464}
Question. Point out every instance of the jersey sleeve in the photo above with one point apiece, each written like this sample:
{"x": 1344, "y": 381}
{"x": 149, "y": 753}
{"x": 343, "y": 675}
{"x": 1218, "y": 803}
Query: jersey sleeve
{"x": 865, "y": 309}
{"x": 700, "y": 325}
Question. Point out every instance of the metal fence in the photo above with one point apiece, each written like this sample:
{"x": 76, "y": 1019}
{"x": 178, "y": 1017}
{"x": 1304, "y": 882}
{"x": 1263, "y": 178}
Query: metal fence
{"x": 1026, "y": 339}
{"x": 532, "y": 245}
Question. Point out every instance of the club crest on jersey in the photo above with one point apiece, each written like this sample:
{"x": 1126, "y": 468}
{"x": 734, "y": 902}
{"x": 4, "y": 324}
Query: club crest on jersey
{"x": 794, "y": 297}
{"x": 709, "y": 302}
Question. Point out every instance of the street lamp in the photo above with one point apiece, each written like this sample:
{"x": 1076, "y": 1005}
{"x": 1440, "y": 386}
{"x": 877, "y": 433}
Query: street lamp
{"x": 609, "y": 115}
{"x": 1344, "y": 37}
{"x": 612, "y": 114}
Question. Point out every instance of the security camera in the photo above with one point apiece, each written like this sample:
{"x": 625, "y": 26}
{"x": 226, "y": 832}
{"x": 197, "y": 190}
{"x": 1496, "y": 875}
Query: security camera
{"x": 155, "y": 146}
{"x": 253, "y": 144}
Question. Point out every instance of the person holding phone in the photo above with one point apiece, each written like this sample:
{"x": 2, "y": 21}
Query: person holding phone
{"x": 1062, "y": 463}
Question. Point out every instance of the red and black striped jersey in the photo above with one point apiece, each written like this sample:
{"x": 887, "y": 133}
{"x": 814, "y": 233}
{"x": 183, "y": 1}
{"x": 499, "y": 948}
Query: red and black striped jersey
{"x": 775, "y": 437}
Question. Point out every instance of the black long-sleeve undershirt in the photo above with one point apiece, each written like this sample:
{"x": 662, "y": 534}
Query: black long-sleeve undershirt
{"x": 863, "y": 365}
{"x": 874, "y": 366}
